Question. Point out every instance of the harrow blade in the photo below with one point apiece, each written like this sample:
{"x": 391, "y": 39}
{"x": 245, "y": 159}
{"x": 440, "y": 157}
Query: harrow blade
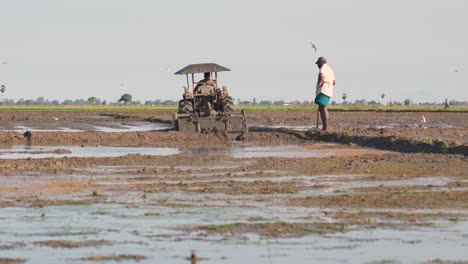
{"x": 233, "y": 122}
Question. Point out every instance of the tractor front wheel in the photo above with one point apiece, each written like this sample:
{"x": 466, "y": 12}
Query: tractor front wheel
{"x": 185, "y": 107}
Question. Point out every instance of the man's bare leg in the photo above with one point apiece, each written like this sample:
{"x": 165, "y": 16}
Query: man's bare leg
{"x": 324, "y": 115}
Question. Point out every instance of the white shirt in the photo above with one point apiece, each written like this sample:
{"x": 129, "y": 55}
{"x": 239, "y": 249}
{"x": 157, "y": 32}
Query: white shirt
{"x": 327, "y": 80}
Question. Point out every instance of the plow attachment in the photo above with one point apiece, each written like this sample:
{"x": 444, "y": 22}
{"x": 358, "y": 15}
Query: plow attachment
{"x": 232, "y": 122}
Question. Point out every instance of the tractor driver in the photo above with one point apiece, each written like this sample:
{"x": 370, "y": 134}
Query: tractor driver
{"x": 206, "y": 81}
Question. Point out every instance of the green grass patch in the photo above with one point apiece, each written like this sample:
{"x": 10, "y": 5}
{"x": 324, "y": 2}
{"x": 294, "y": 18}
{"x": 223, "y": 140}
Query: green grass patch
{"x": 251, "y": 108}
{"x": 255, "y": 219}
{"x": 87, "y": 108}
{"x": 220, "y": 228}
{"x": 350, "y": 108}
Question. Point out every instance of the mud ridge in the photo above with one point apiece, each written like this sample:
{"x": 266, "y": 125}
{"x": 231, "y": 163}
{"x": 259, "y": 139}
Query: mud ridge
{"x": 108, "y": 138}
{"x": 374, "y": 138}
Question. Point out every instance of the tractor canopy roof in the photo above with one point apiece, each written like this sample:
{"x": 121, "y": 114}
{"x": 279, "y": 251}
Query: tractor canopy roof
{"x": 201, "y": 68}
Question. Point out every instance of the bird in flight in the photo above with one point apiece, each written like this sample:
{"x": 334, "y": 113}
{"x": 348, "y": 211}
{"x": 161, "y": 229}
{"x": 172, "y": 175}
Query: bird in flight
{"x": 457, "y": 68}
{"x": 312, "y": 45}
{"x": 167, "y": 69}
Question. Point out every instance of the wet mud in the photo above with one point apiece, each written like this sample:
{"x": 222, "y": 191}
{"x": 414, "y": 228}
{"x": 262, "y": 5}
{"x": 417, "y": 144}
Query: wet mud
{"x": 72, "y": 244}
{"x": 271, "y": 229}
{"x": 358, "y": 187}
{"x": 12, "y": 260}
{"x": 117, "y": 258}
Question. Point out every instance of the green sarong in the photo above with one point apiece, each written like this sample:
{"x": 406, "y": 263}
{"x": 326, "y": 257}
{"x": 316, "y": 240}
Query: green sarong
{"x": 322, "y": 99}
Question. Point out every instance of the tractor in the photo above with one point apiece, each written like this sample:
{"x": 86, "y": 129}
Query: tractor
{"x": 206, "y": 107}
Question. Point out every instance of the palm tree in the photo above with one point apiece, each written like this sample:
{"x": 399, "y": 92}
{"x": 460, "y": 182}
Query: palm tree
{"x": 126, "y": 98}
{"x": 2, "y": 89}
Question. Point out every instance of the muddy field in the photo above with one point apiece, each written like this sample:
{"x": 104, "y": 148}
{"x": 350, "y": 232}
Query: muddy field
{"x": 93, "y": 187}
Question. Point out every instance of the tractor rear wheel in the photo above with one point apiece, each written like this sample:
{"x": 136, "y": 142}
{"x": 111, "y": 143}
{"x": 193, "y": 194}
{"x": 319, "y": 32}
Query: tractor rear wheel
{"x": 185, "y": 107}
{"x": 228, "y": 104}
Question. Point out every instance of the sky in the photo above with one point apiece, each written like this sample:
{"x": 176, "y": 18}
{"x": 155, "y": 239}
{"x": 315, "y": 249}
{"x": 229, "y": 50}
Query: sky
{"x": 70, "y": 49}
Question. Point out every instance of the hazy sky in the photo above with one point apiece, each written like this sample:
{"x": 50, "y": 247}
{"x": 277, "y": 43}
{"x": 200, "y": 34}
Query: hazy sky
{"x": 63, "y": 49}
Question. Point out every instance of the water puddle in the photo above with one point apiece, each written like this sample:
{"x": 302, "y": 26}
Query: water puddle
{"x": 154, "y": 235}
{"x": 63, "y": 128}
{"x": 351, "y": 187}
{"x": 37, "y": 152}
{"x": 235, "y": 151}
{"x": 281, "y": 151}
{"x": 414, "y": 125}
{"x": 148, "y": 221}
{"x": 296, "y": 128}
{"x": 150, "y": 226}
{"x": 135, "y": 127}
{"x": 397, "y": 183}
{"x": 132, "y": 169}
{"x": 101, "y": 127}
{"x": 246, "y": 151}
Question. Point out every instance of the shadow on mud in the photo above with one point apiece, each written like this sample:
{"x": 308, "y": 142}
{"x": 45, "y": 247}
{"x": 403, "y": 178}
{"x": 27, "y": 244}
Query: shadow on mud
{"x": 382, "y": 141}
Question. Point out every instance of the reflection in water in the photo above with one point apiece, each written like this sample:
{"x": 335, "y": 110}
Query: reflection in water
{"x": 37, "y": 152}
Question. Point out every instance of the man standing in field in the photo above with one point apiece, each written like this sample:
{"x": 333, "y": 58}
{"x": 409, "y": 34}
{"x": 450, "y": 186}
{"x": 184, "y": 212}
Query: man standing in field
{"x": 325, "y": 83}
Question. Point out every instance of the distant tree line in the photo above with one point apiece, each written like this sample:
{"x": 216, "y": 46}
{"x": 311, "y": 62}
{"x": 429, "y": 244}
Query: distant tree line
{"x": 161, "y": 102}
{"x": 355, "y": 102}
{"x": 126, "y": 99}
{"x": 405, "y": 102}
{"x": 43, "y": 101}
